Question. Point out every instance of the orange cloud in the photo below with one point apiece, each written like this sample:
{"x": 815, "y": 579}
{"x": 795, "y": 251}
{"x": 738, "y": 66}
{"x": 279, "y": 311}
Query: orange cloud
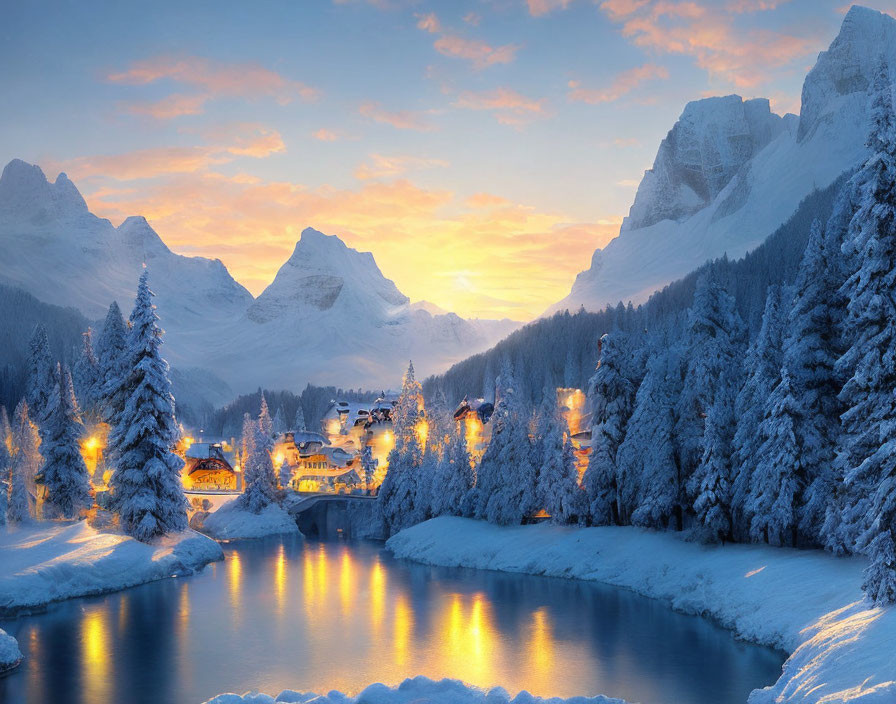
{"x": 401, "y": 119}
{"x": 486, "y": 200}
{"x": 537, "y": 8}
{"x": 211, "y": 79}
{"x": 174, "y": 105}
{"x": 478, "y": 52}
{"x": 508, "y": 106}
{"x": 429, "y": 23}
{"x": 707, "y": 32}
{"x": 623, "y": 84}
{"x": 482, "y": 256}
{"x": 740, "y": 6}
{"x": 248, "y": 140}
{"x": 325, "y": 135}
{"x": 382, "y": 166}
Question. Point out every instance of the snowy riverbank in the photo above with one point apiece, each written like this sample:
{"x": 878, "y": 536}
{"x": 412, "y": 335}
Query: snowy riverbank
{"x": 10, "y": 655}
{"x": 231, "y": 522}
{"x": 418, "y": 689}
{"x": 806, "y": 602}
{"x": 48, "y": 562}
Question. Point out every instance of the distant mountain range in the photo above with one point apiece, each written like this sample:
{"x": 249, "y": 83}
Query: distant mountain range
{"x": 329, "y": 316}
{"x": 730, "y": 172}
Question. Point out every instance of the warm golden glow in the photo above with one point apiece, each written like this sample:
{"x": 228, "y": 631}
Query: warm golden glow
{"x": 96, "y": 649}
{"x": 92, "y": 443}
{"x": 377, "y": 595}
{"x": 346, "y": 583}
{"x": 541, "y": 649}
{"x": 475, "y": 440}
{"x": 422, "y": 430}
{"x": 334, "y": 427}
{"x": 403, "y": 625}
{"x": 278, "y": 460}
{"x": 234, "y": 579}
{"x": 280, "y": 578}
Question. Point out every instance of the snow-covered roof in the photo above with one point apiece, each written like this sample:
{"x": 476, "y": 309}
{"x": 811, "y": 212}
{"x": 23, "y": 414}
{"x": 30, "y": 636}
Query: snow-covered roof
{"x": 301, "y": 437}
{"x": 204, "y": 450}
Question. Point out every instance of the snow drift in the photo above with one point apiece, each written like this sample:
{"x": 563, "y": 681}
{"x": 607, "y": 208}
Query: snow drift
{"x": 232, "y": 522}
{"x": 411, "y": 691}
{"x": 42, "y": 563}
{"x": 729, "y": 173}
{"x": 10, "y": 655}
{"x": 806, "y": 602}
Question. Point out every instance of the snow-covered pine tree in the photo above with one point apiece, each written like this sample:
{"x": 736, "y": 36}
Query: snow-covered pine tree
{"x": 64, "y": 474}
{"x": 259, "y": 473}
{"x": 247, "y": 439}
{"x": 265, "y": 422}
{"x": 541, "y": 424}
{"x": 651, "y": 491}
{"x": 612, "y": 397}
{"x": 762, "y": 372}
{"x": 811, "y": 349}
{"x": 112, "y": 358}
{"x": 26, "y": 460}
{"x": 458, "y": 475}
{"x": 509, "y": 457}
{"x": 299, "y": 422}
{"x": 430, "y": 481}
{"x": 778, "y": 481}
{"x": 711, "y": 482}
{"x": 368, "y": 467}
{"x": 279, "y": 425}
{"x": 284, "y": 474}
{"x": 86, "y": 378}
{"x": 712, "y": 353}
{"x": 147, "y": 492}
{"x": 867, "y": 455}
{"x": 5, "y": 462}
{"x": 41, "y": 376}
{"x": 399, "y": 487}
{"x": 557, "y": 490}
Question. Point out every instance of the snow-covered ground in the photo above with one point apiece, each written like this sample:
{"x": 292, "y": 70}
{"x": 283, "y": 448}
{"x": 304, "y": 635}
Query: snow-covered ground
{"x": 48, "y": 562}
{"x": 418, "y": 689}
{"x": 230, "y": 522}
{"x": 10, "y": 655}
{"x": 806, "y": 602}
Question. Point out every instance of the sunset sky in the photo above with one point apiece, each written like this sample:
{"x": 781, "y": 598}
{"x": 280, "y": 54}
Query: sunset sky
{"x": 480, "y": 149}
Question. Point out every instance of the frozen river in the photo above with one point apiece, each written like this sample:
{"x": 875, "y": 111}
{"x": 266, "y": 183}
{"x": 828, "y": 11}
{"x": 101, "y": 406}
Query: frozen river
{"x": 283, "y": 613}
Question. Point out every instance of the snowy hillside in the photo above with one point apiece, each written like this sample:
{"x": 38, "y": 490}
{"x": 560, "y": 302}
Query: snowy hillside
{"x": 729, "y": 173}
{"x": 329, "y": 316}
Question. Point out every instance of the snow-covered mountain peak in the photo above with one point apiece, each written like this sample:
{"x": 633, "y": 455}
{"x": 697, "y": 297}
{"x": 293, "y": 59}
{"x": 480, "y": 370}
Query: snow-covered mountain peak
{"x": 838, "y": 83}
{"x": 324, "y": 272}
{"x": 712, "y": 140}
{"x": 25, "y": 190}
{"x": 137, "y": 233}
{"x": 730, "y": 172}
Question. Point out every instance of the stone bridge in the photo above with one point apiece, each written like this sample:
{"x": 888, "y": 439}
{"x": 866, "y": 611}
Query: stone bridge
{"x": 332, "y": 515}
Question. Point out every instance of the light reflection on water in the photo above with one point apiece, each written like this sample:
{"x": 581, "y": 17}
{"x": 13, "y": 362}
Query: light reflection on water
{"x": 330, "y": 615}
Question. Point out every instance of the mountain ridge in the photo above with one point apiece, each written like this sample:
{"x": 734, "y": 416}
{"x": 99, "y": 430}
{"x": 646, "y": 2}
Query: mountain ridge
{"x": 809, "y": 152}
{"x": 326, "y": 293}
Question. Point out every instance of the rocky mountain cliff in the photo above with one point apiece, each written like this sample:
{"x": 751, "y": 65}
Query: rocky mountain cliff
{"x": 730, "y": 172}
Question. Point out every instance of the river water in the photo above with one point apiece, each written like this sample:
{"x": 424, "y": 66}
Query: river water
{"x": 282, "y": 613}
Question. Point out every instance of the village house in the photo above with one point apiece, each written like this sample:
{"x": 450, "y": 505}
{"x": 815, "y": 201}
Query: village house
{"x": 206, "y": 469}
